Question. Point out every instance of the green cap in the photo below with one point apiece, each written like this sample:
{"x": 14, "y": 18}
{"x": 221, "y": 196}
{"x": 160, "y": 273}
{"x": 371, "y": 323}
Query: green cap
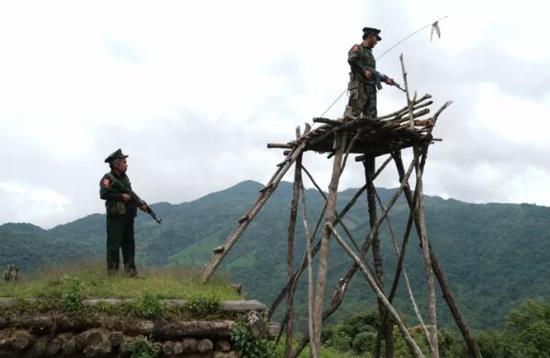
{"x": 117, "y": 154}
{"x": 372, "y": 30}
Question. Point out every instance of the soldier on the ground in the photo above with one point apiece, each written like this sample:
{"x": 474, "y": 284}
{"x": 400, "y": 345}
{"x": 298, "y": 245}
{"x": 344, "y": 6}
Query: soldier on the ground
{"x": 364, "y": 79}
{"x": 121, "y": 211}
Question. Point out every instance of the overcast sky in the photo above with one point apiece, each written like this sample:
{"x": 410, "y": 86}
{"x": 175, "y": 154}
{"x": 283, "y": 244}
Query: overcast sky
{"x": 193, "y": 91}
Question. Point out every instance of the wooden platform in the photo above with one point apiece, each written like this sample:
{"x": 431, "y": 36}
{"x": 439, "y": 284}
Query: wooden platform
{"x": 388, "y": 133}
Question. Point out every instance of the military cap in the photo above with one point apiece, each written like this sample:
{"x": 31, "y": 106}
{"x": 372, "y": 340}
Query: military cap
{"x": 372, "y": 30}
{"x": 117, "y": 154}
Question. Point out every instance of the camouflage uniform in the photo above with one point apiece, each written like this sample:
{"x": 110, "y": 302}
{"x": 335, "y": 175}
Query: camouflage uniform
{"x": 120, "y": 223}
{"x": 362, "y": 92}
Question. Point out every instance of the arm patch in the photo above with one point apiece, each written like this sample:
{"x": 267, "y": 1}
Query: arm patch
{"x": 355, "y": 48}
{"x": 106, "y": 183}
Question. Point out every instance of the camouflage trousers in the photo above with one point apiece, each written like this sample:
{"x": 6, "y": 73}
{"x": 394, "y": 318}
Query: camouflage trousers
{"x": 362, "y": 100}
{"x": 120, "y": 237}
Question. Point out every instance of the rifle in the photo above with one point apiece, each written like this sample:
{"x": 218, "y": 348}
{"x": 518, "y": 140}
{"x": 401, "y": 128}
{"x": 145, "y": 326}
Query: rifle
{"x": 379, "y": 77}
{"x": 136, "y": 198}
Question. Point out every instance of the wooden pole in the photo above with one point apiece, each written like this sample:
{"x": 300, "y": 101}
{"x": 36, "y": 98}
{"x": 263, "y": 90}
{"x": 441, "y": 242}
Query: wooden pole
{"x": 370, "y": 165}
{"x": 265, "y": 193}
{"x": 290, "y": 250}
{"x": 401, "y": 268}
{"x": 309, "y": 256}
{"x": 337, "y": 221}
{"x": 299, "y": 272}
{"x": 406, "y": 84}
{"x": 340, "y": 146}
{"x": 422, "y": 234}
{"x": 411, "y": 344}
{"x": 419, "y": 212}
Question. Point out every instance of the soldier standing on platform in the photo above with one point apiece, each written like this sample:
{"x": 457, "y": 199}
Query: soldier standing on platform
{"x": 121, "y": 211}
{"x": 364, "y": 79}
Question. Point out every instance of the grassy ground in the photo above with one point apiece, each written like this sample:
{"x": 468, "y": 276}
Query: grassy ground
{"x": 329, "y": 353}
{"x": 166, "y": 283}
{"x": 61, "y": 289}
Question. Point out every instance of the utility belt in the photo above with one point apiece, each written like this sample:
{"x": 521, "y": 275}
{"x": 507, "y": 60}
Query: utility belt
{"x": 117, "y": 208}
{"x": 357, "y": 79}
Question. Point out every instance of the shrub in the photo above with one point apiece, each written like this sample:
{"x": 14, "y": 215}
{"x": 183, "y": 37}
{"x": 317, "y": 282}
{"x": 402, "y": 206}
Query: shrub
{"x": 249, "y": 346}
{"x": 364, "y": 342}
{"x": 71, "y": 294}
{"x": 340, "y": 339}
{"x": 201, "y": 306}
{"x": 143, "y": 348}
{"x": 150, "y": 306}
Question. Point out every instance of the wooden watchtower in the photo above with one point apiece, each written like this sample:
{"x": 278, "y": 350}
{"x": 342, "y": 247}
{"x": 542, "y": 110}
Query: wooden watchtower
{"x": 409, "y": 128}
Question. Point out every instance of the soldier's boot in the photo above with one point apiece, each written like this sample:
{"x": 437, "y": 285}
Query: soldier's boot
{"x": 349, "y": 115}
{"x": 131, "y": 270}
{"x": 112, "y": 269}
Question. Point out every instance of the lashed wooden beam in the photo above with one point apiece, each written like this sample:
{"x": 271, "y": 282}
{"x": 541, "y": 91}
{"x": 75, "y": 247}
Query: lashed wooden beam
{"x": 222, "y": 250}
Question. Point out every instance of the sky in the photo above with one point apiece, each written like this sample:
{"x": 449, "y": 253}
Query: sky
{"x": 193, "y": 92}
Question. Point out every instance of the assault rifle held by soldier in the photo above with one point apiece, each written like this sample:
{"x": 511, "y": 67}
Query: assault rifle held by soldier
{"x": 140, "y": 203}
{"x": 380, "y": 77}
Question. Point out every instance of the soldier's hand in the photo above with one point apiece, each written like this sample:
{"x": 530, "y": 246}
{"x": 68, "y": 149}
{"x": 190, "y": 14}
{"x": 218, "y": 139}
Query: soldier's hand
{"x": 367, "y": 74}
{"x": 143, "y": 207}
{"x": 126, "y": 198}
{"x": 390, "y": 81}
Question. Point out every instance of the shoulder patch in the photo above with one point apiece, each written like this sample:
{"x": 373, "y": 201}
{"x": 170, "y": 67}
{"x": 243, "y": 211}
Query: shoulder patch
{"x": 106, "y": 183}
{"x": 354, "y": 48}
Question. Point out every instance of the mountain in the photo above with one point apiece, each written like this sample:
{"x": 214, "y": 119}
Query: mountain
{"x": 494, "y": 255}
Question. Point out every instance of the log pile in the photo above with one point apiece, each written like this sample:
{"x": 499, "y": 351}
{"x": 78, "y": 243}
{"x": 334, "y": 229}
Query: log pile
{"x": 56, "y": 334}
{"x": 100, "y": 342}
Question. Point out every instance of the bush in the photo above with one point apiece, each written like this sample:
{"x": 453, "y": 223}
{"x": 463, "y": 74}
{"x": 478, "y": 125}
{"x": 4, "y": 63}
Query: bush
{"x": 150, "y": 306}
{"x": 528, "y": 329}
{"x": 339, "y": 339}
{"x": 249, "y": 346}
{"x": 71, "y": 294}
{"x": 203, "y": 306}
{"x": 143, "y": 348}
{"x": 491, "y": 344}
{"x": 343, "y": 335}
{"x": 364, "y": 342}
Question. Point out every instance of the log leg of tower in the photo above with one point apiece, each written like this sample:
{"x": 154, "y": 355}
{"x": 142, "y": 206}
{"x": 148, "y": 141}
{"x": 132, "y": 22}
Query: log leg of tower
{"x": 370, "y": 164}
{"x": 441, "y": 279}
{"x": 340, "y": 143}
{"x": 290, "y": 252}
{"x": 422, "y": 234}
{"x": 266, "y": 192}
{"x": 399, "y": 268}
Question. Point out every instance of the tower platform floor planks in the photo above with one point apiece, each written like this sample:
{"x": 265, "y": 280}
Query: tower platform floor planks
{"x": 387, "y": 134}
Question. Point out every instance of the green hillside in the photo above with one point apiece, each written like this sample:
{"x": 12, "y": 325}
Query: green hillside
{"x": 494, "y": 255}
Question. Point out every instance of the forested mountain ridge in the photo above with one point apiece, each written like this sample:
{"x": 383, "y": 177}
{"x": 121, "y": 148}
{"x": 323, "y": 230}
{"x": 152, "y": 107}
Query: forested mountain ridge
{"x": 494, "y": 255}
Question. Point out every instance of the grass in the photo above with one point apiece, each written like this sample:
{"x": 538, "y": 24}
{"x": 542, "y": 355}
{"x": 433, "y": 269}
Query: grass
{"x": 333, "y": 353}
{"x": 325, "y": 352}
{"x": 63, "y": 289}
{"x": 173, "y": 282}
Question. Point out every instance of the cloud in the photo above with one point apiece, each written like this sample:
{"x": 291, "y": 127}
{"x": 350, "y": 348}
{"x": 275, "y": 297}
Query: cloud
{"x": 120, "y": 49}
{"x": 194, "y": 92}
{"x": 32, "y": 203}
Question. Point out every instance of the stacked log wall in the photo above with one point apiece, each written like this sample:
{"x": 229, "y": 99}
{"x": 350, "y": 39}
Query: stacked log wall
{"x": 56, "y": 334}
